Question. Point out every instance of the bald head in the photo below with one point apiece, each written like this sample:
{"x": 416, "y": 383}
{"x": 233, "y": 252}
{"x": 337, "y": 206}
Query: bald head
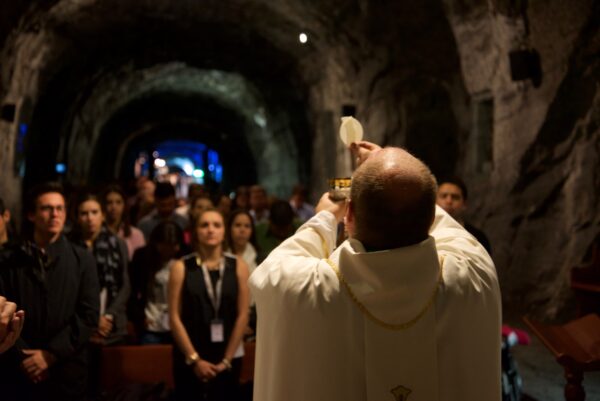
{"x": 392, "y": 200}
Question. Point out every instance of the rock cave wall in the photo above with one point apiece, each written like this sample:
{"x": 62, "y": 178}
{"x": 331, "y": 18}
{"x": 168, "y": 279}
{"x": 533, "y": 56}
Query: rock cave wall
{"x": 418, "y": 74}
{"x": 540, "y": 203}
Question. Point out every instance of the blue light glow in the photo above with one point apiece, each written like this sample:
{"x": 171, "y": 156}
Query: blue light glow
{"x": 191, "y": 159}
{"x": 21, "y": 137}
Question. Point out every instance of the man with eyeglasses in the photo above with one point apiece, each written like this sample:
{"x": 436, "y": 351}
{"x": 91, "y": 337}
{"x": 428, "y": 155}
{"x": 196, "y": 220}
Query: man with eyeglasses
{"x": 55, "y": 282}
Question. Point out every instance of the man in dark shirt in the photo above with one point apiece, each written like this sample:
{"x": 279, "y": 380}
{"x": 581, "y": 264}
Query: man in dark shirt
{"x": 259, "y": 204}
{"x": 279, "y": 226}
{"x": 164, "y": 197}
{"x": 56, "y": 284}
{"x": 452, "y": 197}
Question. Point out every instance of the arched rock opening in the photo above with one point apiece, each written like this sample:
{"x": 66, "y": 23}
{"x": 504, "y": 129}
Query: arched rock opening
{"x": 417, "y": 73}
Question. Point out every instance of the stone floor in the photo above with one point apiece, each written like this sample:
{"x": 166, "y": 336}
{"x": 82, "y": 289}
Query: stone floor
{"x": 543, "y": 378}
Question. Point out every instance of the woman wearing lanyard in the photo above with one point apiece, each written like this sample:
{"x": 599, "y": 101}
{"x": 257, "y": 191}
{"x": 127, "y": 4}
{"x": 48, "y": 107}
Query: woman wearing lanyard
{"x": 208, "y": 310}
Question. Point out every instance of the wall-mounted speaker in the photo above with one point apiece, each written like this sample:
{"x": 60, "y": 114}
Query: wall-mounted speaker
{"x": 349, "y": 110}
{"x": 526, "y": 64}
{"x": 9, "y": 111}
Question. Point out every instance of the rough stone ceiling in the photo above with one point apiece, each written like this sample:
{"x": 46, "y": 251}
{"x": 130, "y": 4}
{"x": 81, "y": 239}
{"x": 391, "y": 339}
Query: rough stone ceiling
{"x": 64, "y": 50}
{"x": 265, "y": 32}
{"x": 139, "y": 70}
{"x": 78, "y": 45}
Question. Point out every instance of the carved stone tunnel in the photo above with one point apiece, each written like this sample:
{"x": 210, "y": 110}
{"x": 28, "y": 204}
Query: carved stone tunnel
{"x": 85, "y": 82}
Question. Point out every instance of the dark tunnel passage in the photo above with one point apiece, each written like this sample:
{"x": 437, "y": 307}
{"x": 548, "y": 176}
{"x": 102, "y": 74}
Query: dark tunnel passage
{"x": 115, "y": 82}
{"x": 266, "y": 98}
{"x": 88, "y": 86}
{"x": 146, "y": 122}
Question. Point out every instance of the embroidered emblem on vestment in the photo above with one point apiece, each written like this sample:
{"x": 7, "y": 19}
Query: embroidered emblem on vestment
{"x": 400, "y": 393}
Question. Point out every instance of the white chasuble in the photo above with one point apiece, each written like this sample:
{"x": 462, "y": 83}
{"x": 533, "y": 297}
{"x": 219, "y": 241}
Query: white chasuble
{"x": 353, "y": 325}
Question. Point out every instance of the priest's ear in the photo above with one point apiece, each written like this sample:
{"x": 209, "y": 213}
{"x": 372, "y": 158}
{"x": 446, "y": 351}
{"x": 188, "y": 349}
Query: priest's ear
{"x": 349, "y": 219}
{"x": 6, "y": 216}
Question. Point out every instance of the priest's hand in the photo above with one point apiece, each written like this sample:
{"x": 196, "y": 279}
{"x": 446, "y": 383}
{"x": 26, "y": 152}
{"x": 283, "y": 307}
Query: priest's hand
{"x": 362, "y": 150}
{"x": 36, "y": 364}
{"x": 205, "y": 370}
{"x": 337, "y": 208}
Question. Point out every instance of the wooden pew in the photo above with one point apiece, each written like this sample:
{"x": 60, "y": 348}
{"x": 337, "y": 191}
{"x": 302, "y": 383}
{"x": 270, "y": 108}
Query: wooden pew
{"x": 127, "y": 364}
{"x": 152, "y": 364}
{"x": 576, "y": 346}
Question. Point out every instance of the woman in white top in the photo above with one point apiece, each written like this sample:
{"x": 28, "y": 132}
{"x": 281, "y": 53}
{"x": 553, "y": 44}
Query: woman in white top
{"x": 150, "y": 270}
{"x": 241, "y": 239}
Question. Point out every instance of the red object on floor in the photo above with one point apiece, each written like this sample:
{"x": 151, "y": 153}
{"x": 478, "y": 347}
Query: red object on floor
{"x": 522, "y": 336}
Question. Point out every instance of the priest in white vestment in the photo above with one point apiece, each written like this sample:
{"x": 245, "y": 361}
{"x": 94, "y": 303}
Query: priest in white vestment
{"x": 413, "y": 316}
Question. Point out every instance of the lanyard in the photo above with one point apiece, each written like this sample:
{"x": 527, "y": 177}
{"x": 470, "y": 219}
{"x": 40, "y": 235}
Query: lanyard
{"x": 215, "y": 299}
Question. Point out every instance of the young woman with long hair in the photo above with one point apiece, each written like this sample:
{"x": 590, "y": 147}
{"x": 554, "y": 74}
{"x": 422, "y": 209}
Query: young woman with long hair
{"x": 241, "y": 238}
{"x": 110, "y": 253}
{"x": 208, "y": 307}
{"x": 114, "y": 205}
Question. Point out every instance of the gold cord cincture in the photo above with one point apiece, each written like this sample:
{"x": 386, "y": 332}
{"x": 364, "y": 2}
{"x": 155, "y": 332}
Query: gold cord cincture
{"x": 363, "y": 308}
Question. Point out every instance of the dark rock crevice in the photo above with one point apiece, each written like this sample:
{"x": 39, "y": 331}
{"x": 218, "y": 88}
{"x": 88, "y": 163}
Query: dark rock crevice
{"x": 572, "y": 101}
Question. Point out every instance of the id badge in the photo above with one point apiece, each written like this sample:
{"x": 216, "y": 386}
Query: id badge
{"x": 217, "y": 334}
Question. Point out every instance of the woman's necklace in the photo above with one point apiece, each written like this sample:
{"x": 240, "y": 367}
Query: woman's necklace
{"x": 209, "y": 264}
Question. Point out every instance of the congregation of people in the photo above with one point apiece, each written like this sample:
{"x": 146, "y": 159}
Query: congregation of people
{"x": 143, "y": 263}
{"x": 111, "y": 267}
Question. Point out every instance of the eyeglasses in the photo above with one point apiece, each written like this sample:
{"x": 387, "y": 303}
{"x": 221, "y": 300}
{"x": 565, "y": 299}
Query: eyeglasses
{"x": 50, "y": 208}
